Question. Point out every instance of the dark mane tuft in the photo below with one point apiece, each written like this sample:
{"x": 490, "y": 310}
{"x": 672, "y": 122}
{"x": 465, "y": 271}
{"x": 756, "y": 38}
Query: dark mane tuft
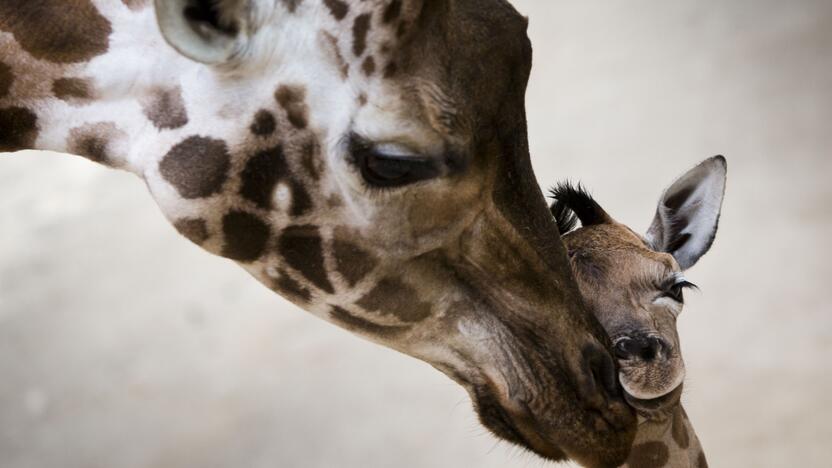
{"x": 564, "y": 216}
{"x": 573, "y": 203}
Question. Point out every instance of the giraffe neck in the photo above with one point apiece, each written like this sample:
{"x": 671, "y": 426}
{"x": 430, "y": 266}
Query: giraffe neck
{"x": 667, "y": 443}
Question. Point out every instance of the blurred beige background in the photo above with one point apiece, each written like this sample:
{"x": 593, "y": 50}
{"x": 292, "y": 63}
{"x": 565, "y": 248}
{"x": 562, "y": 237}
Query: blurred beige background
{"x": 122, "y": 345}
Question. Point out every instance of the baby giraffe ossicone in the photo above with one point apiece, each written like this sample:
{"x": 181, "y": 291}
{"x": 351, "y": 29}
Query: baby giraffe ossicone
{"x": 634, "y": 285}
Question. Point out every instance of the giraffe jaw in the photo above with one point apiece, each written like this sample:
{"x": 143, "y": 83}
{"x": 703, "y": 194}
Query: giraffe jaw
{"x": 654, "y": 388}
{"x": 640, "y": 388}
{"x": 517, "y": 425}
{"x": 655, "y": 408}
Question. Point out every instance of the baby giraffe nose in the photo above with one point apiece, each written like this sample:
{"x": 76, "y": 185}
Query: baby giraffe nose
{"x": 644, "y": 347}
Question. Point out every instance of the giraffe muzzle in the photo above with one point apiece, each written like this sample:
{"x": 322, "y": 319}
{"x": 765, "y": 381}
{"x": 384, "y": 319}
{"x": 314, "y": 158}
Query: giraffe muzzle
{"x": 651, "y": 372}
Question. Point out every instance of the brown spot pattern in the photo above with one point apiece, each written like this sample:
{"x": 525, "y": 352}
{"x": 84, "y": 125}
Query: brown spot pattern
{"x": 59, "y": 31}
{"x": 343, "y": 67}
{"x": 302, "y": 248}
{"x": 358, "y": 324}
{"x": 392, "y": 11}
{"x": 310, "y": 160}
{"x": 92, "y": 147}
{"x": 338, "y": 8}
{"x": 261, "y": 174}
{"x": 401, "y": 30}
{"x": 352, "y": 262}
{"x": 194, "y": 230}
{"x": 197, "y": 167}
{"x": 264, "y": 123}
{"x": 649, "y": 455}
{"x": 291, "y": 5}
{"x": 94, "y": 141}
{"x": 166, "y": 108}
{"x": 360, "y": 28}
{"x": 369, "y": 66}
{"x": 392, "y": 297}
{"x": 678, "y": 429}
{"x": 286, "y": 286}
{"x": 246, "y": 236}
{"x": 301, "y": 201}
{"x": 334, "y": 201}
{"x": 391, "y": 69}
{"x": 292, "y": 100}
{"x": 6, "y": 79}
{"x": 68, "y": 89}
{"x": 136, "y": 5}
{"x": 18, "y": 129}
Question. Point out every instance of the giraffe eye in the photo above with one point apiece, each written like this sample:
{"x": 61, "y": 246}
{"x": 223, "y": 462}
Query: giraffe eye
{"x": 676, "y": 289}
{"x": 389, "y": 165}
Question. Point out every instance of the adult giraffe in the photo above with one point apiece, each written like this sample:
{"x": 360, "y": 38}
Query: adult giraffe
{"x": 366, "y": 159}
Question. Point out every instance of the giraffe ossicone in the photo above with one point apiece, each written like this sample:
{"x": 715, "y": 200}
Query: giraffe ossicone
{"x": 634, "y": 285}
{"x": 366, "y": 159}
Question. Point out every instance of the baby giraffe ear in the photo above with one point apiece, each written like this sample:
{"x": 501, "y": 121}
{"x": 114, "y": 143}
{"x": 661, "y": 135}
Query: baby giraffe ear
{"x": 688, "y": 213}
{"x": 207, "y": 31}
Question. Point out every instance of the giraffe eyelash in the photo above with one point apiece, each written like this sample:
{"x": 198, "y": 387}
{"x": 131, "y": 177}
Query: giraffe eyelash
{"x": 675, "y": 287}
{"x": 388, "y": 166}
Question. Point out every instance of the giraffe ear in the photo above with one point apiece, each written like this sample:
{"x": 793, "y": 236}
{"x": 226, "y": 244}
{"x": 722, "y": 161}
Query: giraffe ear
{"x": 688, "y": 213}
{"x": 207, "y": 31}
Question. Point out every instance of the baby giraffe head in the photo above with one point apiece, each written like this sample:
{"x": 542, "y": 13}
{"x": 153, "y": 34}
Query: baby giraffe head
{"x": 634, "y": 284}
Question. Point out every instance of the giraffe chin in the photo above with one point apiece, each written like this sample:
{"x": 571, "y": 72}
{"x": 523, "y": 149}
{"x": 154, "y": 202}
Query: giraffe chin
{"x": 654, "y": 408}
{"x": 516, "y": 424}
{"x": 652, "y": 388}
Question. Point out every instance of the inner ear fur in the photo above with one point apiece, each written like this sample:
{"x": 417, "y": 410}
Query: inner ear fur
{"x": 688, "y": 213}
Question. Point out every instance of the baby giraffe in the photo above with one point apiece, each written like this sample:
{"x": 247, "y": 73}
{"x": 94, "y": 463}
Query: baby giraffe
{"x": 633, "y": 284}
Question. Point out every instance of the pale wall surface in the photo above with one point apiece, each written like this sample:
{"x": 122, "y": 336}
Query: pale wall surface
{"x": 122, "y": 345}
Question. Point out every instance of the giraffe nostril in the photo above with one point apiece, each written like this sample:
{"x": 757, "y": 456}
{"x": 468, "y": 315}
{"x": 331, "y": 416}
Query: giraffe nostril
{"x": 649, "y": 349}
{"x": 622, "y": 348}
{"x": 646, "y": 348}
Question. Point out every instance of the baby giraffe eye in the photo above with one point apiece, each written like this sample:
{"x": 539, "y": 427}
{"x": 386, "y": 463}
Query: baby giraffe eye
{"x": 675, "y": 289}
{"x": 389, "y": 165}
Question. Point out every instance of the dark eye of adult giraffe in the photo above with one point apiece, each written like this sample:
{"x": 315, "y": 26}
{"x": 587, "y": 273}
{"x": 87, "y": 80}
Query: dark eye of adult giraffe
{"x": 389, "y": 165}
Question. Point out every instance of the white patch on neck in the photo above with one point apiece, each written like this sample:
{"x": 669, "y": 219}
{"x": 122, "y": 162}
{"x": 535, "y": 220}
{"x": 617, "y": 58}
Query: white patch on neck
{"x": 282, "y": 197}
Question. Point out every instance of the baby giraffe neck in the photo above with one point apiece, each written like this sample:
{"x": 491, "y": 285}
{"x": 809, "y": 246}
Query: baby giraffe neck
{"x": 667, "y": 443}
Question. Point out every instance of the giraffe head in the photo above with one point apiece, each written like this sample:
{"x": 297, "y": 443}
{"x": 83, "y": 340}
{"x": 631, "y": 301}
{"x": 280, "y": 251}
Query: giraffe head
{"x": 406, "y": 209}
{"x": 366, "y": 159}
{"x": 634, "y": 285}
